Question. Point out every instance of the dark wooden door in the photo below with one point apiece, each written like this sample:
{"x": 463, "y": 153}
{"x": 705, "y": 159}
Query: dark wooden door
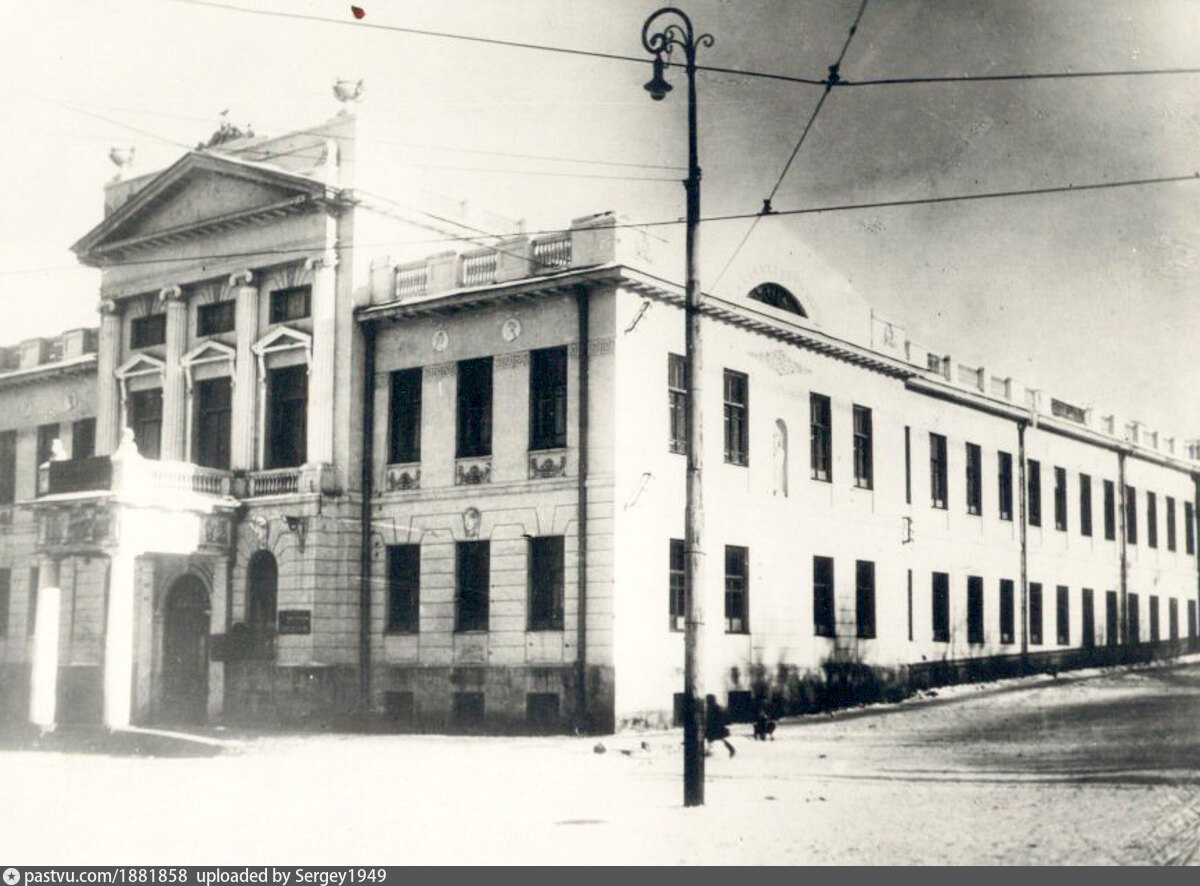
{"x": 185, "y": 653}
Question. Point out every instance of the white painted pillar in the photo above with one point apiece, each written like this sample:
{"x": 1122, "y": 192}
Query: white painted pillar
{"x": 242, "y": 455}
{"x": 174, "y": 446}
{"x": 321, "y": 371}
{"x": 218, "y": 624}
{"x": 118, "y": 640}
{"x": 108, "y": 401}
{"x": 43, "y": 678}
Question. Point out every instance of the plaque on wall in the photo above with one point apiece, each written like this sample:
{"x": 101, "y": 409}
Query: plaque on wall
{"x": 295, "y": 621}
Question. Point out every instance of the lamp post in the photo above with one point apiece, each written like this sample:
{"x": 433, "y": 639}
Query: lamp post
{"x": 678, "y": 33}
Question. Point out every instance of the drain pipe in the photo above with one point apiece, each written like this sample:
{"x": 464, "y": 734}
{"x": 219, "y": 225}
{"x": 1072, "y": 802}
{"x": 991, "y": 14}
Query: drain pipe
{"x": 1122, "y": 543}
{"x": 367, "y": 492}
{"x": 1195, "y": 552}
{"x": 1024, "y": 541}
{"x": 582, "y": 719}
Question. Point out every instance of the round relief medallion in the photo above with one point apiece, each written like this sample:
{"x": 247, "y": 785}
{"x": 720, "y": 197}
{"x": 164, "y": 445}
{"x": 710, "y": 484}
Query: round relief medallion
{"x": 441, "y": 340}
{"x": 511, "y": 329}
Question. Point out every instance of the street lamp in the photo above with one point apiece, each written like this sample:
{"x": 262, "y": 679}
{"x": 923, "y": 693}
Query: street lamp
{"x": 678, "y": 33}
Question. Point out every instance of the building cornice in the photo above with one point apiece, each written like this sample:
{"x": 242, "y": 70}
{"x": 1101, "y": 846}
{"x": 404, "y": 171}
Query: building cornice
{"x": 70, "y": 366}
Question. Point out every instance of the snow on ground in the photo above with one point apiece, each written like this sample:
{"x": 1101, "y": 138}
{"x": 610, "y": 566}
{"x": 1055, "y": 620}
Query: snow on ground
{"x": 1092, "y": 767}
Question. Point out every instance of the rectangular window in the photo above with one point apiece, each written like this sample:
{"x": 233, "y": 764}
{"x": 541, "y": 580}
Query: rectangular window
{"x": 1152, "y": 519}
{"x": 472, "y": 576}
{"x": 287, "y": 434}
{"x": 974, "y": 479}
{"x": 941, "y": 607}
{"x": 403, "y": 589}
{"x": 1111, "y": 630}
{"x": 294, "y": 303}
{"x": 910, "y": 606}
{"x": 1007, "y": 611}
{"x": 907, "y": 464}
{"x": 548, "y": 398}
{"x": 1135, "y": 622}
{"x": 5, "y": 599}
{"x": 938, "y": 482}
{"x": 541, "y": 711}
{"x": 1189, "y": 526}
{"x": 737, "y": 418}
{"x": 1153, "y": 618}
{"x": 676, "y": 404}
{"x": 821, "y": 421}
{"x": 147, "y": 332}
{"x": 1191, "y": 615}
{"x": 677, "y": 584}
{"x": 214, "y": 422}
{"x": 83, "y": 438}
{"x": 1034, "y": 492}
{"x": 864, "y": 468}
{"x": 1173, "y": 619}
{"x": 1060, "y": 499}
{"x": 46, "y": 435}
{"x": 1085, "y": 504}
{"x": 547, "y": 578}
{"x": 1131, "y": 515}
{"x": 864, "y": 598}
{"x": 8, "y": 467}
{"x": 824, "y": 624}
{"x": 215, "y": 318}
{"x": 737, "y": 590}
{"x": 974, "y": 609}
{"x": 1110, "y": 510}
{"x": 31, "y": 613}
{"x": 145, "y": 420}
{"x": 1089, "y": 619}
{"x": 1035, "y": 613}
{"x": 474, "y": 408}
{"x": 1170, "y": 523}
{"x": 1006, "y": 485}
{"x": 404, "y": 416}
{"x": 1063, "y": 619}
{"x": 467, "y": 710}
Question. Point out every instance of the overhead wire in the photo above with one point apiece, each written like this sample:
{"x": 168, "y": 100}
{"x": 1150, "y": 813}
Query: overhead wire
{"x": 834, "y": 75}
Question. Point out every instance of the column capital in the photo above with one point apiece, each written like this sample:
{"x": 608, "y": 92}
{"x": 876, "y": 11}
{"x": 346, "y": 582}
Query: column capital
{"x": 172, "y": 293}
{"x": 109, "y": 307}
{"x": 327, "y": 261}
{"x": 244, "y": 277}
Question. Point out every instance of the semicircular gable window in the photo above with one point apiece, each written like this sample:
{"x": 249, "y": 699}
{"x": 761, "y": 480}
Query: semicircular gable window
{"x": 777, "y": 297}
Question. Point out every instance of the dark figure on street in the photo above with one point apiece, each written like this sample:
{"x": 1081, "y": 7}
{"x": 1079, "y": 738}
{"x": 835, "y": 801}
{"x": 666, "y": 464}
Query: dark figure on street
{"x": 717, "y": 724}
{"x": 764, "y": 724}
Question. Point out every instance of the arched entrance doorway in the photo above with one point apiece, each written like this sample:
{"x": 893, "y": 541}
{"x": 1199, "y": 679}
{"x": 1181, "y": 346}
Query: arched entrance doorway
{"x": 185, "y": 652}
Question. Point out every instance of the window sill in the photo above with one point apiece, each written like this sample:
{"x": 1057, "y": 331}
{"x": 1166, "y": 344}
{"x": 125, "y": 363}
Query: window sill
{"x": 971, "y": 513}
{"x": 405, "y": 632}
{"x": 820, "y": 479}
{"x": 552, "y": 629}
{"x": 865, "y": 487}
{"x": 870, "y": 636}
{"x": 471, "y": 630}
{"x": 737, "y": 464}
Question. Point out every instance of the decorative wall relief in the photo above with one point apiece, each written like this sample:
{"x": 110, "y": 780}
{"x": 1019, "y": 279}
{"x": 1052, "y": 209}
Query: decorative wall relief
{"x": 543, "y": 465}
{"x": 780, "y": 362}
{"x": 472, "y": 471}
{"x": 510, "y": 329}
{"x": 400, "y": 478}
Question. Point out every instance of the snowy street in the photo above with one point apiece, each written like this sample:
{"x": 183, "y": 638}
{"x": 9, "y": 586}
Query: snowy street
{"x": 1089, "y": 768}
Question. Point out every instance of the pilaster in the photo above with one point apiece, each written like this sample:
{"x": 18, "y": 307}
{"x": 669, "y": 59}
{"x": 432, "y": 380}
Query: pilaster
{"x": 244, "y": 382}
{"x": 43, "y": 680}
{"x": 119, "y": 639}
{"x": 108, "y": 400}
{"x": 174, "y": 445}
{"x": 321, "y": 370}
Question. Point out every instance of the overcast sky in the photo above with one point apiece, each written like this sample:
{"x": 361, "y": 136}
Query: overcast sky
{"x": 1093, "y": 296}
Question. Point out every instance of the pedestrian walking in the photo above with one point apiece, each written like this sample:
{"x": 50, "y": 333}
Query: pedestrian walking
{"x": 716, "y": 727}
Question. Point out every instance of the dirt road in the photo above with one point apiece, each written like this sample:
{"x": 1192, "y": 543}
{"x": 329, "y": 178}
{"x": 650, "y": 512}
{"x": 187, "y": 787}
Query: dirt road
{"x": 1100, "y": 769}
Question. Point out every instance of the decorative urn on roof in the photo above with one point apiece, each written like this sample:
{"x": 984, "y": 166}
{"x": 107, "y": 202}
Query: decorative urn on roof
{"x": 347, "y": 91}
{"x": 121, "y": 158}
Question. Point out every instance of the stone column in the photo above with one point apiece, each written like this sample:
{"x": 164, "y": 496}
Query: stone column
{"x": 43, "y": 678}
{"x": 108, "y": 399}
{"x": 219, "y": 623}
{"x": 175, "y": 405}
{"x": 244, "y": 381}
{"x": 321, "y": 370}
{"x": 118, "y": 640}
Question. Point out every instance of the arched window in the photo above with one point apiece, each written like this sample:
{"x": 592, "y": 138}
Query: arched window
{"x": 777, "y": 297}
{"x": 262, "y": 578}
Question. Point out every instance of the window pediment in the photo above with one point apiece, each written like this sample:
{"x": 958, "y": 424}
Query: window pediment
{"x": 139, "y": 365}
{"x": 280, "y": 340}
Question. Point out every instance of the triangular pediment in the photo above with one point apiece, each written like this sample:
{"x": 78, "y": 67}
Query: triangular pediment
{"x": 200, "y": 193}
{"x": 281, "y": 339}
{"x": 208, "y": 352}
{"x": 140, "y": 364}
